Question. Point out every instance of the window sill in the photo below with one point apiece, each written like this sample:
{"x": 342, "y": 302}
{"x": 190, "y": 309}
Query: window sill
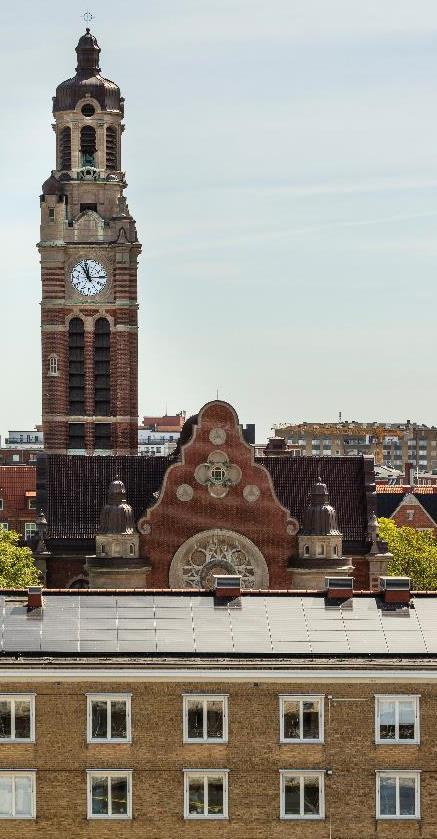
{"x": 206, "y": 818}
{"x": 301, "y": 742}
{"x": 109, "y": 818}
{"x": 201, "y": 742}
{"x": 303, "y": 818}
{"x": 113, "y": 742}
{"x": 398, "y": 818}
{"x": 397, "y": 742}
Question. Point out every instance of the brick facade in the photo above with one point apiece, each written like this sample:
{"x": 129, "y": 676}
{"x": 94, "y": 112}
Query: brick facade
{"x": 84, "y": 216}
{"x": 254, "y": 756}
{"x": 17, "y": 493}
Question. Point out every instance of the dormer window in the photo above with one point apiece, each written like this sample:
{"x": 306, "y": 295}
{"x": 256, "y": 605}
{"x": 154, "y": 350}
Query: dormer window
{"x": 335, "y": 550}
{"x": 306, "y": 550}
{"x": 320, "y": 549}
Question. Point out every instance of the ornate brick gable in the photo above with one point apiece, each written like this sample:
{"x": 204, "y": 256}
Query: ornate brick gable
{"x": 217, "y": 509}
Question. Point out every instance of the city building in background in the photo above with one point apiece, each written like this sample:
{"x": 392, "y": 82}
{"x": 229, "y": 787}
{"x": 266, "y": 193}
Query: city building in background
{"x": 160, "y": 435}
{"x": 18, "y": 500}
{"x": 391, "y": 444}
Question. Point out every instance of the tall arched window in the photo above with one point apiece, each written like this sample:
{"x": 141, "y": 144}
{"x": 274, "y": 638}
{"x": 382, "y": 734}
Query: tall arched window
{"x": 65, "y": 148}
{"x": 111, "y": 147}
{"x": 88, "y": 145}
{"x": 102, "y": 350}
{"x": 76, "y": 367}
{"x": 53, "y": 365}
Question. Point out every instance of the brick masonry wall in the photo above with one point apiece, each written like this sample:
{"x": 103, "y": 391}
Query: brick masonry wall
{"x": 413, "y": 515}
{"x": 172, "y": 521}
{"x": 253, "y": 755}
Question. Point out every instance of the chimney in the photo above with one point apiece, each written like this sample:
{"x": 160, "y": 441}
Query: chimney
{"x": 34, "y": 598}
{"x": 227, "y": 585}
{"x": 339, "y": 588}
{"x": 409, "y": 474}
{"x": 395, "y": 589}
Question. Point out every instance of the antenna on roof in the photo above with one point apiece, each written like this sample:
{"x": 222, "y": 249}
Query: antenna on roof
{"x": 217, "y": 396}
{"x": 339, "y": 416}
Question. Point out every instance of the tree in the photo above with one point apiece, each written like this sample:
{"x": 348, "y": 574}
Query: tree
{"x": 414, "y": 554}
{"x": 17, "y": 565}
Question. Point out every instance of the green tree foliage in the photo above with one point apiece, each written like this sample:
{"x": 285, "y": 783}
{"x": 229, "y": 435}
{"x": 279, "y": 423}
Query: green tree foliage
{"x": 17, "y": 565}
{"x": 414, "y": 554}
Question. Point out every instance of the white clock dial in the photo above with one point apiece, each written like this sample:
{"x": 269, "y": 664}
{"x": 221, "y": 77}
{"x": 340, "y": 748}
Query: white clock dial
{"x": 89, "y": 277}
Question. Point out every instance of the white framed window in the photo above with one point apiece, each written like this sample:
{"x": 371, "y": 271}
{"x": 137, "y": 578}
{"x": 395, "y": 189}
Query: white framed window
{"x": 397, "y": 719}
{"x": 29, "y": 529}
{"x": 17, "y": 794}
{"x": 302, "y": 794}
{"x": 205, "y": 718}
{"x": 205, "y": 793}
{"x": 397, "y": 794}
{"x": 31, "y": 503}
{"x": 17, "y": 718}
{"x": 109, "y": 793}
{"x": 4, "y": 525}
{"x": 53, "y": 365}
{"x": 109, "y": 717}
{"x": 301, "y": 719}
{"x": 1, "y": 504}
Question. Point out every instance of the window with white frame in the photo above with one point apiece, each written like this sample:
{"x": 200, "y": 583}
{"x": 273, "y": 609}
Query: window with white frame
{"x": 205, "y": 718}
{"x": 397, "y": 795}
{"x": 1, "y": 504}
{"x": 206, "y": 794}
{"x": 4, "y": 525}
{"x": 301, "y": 719}
{"x": 29, "y": 529}
{"x": 17, "y": 795}
{"x": 397, "y": 719}
{"x": 17, "y": 718}
{"x": 53, "y": 368}
{"x": 109, "y": 717}
{"x": 302, "y": 794}
{"x": 109, "y": 794}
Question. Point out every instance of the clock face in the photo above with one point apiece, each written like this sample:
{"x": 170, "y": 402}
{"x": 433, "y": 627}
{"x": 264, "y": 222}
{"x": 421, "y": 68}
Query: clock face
{"x": 89, "y": 277}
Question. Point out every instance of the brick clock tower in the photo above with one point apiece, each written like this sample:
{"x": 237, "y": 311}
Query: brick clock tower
{"x": 89, "y": 252}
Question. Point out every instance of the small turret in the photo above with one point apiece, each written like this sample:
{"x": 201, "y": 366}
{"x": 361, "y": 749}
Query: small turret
{"x": 116, "y": 563}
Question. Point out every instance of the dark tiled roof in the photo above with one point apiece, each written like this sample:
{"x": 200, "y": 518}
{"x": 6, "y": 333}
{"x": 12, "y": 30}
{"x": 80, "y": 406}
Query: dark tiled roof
{"x": 388, "y": 502}
{"x": 72, "y": 489}
{"x": 261, "y": 624}
{"x": 293, "y": 478}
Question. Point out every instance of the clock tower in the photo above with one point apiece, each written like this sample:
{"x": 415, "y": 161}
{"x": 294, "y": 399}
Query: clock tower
{"x": 89, "y": 253}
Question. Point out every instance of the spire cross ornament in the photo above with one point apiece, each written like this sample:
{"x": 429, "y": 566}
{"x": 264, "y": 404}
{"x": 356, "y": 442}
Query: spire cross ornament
{"x": 88, "y": 16}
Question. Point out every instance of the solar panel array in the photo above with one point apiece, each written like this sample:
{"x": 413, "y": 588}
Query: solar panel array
{"x": 193, "y": 624}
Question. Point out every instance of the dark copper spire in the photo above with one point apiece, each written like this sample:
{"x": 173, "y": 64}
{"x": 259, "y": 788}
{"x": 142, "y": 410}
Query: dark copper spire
{"x": 88, "y": 81}
{"x": 320, "y": 517}
{"x": 88, "y": 52}
{"x": 116, "y": 515}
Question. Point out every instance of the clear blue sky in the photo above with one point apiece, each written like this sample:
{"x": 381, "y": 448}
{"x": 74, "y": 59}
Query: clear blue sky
{"x": 282, "y": 168}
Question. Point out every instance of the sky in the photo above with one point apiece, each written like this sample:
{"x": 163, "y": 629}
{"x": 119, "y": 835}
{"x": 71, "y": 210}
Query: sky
{"x": 282, "y": 167}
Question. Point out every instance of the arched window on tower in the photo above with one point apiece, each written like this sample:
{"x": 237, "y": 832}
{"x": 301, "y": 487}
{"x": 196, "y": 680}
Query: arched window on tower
{"x": 88, "y": 145}
{"x": 53, "y": 365}
{"x": 111, "y": 147}
{"x": 102, "y": 351}
{"x": 65, "y": 148}
{"x": 76, "y": 367}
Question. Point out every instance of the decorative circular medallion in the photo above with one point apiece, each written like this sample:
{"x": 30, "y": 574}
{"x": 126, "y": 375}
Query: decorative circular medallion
{"x": 184, "y": 492}
{"x": 217, "y": 436}
{"x": 144, "y": 526}
{"x": 251, "y": 493}
{"x": 217, "y": 457}
{"x": 217, "y": 491}
{"x": 292, "y": 527}
{"x": 216, "y": 552}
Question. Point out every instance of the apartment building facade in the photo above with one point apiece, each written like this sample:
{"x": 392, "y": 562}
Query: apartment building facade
{"x": 215, "y": 724}
{"x": 391, "y": 444}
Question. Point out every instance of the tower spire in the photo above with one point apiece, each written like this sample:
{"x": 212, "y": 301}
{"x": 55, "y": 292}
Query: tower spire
{"x": 88, "y": 52}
